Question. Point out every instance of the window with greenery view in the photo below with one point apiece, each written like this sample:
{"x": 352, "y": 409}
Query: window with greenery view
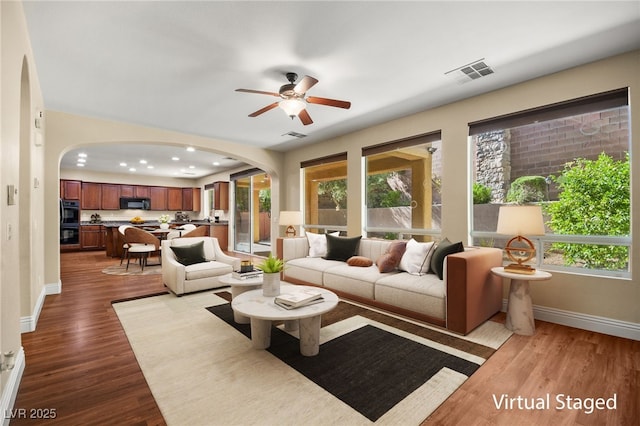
{"x": 572, "y": 159}
{"x": 325, "y": 194}
{"x": 402, "y": 191}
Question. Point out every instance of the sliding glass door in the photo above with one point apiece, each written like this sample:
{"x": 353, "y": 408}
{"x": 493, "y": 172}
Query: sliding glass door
{"x": 252, "y": 221}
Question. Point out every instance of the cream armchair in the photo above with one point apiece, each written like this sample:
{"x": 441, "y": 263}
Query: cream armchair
{"x": 181, "y": 279}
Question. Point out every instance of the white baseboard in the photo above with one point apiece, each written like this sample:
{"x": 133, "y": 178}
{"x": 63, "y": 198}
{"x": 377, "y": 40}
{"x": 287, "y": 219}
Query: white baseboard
{"x": 613, "y": 327}
{"x": 10, "y": 390}
{"x": 28, "y": 323}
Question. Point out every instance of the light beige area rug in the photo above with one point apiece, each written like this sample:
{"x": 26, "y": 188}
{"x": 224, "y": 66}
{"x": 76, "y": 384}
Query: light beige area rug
{"x": 202, "y": 370}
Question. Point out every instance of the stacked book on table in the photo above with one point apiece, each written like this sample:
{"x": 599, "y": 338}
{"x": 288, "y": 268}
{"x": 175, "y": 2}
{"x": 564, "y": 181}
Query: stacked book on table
{"x": 298, "y": 299}
{"x": 254, "y": 273}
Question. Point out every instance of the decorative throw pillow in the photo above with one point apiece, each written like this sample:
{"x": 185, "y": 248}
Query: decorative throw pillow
{"x": 416, "y": 259}
{"x": 342, "y": 248}
{"x": 359, "y": 261}
{"x": 188, "y": 255}
{"x": 445, "y": 248}
{"x": 318, "y": 243}
{"x": 389, "y": 261}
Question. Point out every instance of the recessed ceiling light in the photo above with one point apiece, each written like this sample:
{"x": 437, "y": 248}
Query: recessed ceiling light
{"x": 80, "y": 164}
{"x": 216, "y": 163}
{"x": 175, "y": 158}
{"x": 190, "y": 149}
{"x": 82, "y": 155}
{"x": 143, "y": 161}
{"x": 123, "y": 164}
{"x": 149, "y": 166}
{"x": 192, "y": 167}
{"x": 132, "y": 169}
{"x": 82, "y": 160}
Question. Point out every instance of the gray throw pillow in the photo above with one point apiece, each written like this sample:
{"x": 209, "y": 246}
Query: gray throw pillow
{"x": 445, "y": 248}
{"x": 189, "y": 255}
{"x": 342, "y": 248}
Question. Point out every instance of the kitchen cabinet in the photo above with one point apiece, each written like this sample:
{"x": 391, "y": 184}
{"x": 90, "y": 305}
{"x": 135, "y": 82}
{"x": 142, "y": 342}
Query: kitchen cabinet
{"x": 142, "y": 191}
{"x": 110, "y": 196}
{"x": 158, "y": 195}
{"x": 221, "y": 232}
{"x": 70, "y": 189}
{"x": 127, "y": 191}
{"x": 191, "y": 199}
{"x": 174, "y": 199}
{"x": 221, "y": 195}
{"x": 91, "y": 196}
{"x": 92, "y": 237}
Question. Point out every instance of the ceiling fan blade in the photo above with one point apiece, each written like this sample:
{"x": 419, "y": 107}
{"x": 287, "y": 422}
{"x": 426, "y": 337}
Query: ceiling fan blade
{"x": 328, "y": 102}
{"x": 263, "y": 110}
{"x": 305, "y": 84}
{"x": 305, "y": 117}
{"x": 259, "y": 92}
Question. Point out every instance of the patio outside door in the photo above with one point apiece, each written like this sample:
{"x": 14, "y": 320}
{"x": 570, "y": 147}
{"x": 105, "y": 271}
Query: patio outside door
{"x": 252, "y": 222}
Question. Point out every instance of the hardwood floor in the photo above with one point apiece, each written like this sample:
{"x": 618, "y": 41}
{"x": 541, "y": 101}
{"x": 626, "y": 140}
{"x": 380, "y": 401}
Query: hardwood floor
{"x": 79, "y": 363}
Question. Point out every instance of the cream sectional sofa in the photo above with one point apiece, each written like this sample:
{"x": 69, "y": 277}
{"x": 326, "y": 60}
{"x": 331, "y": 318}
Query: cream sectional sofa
{"x": 468, "y": 294}
{"x": 181, "y": 279}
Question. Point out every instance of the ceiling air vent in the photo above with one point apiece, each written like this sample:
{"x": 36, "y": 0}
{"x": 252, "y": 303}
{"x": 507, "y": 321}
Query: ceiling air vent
{"x": 472, "y": 71}
{"x": 295, "y": 134}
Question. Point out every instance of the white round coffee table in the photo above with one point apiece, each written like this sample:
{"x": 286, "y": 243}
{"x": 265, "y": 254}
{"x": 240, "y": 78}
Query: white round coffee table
{"x": 238, "y": 287}
{"x": 262, "y": 310}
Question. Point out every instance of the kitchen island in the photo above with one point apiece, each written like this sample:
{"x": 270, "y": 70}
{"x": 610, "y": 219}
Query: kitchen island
{"x": 114, "y": 240}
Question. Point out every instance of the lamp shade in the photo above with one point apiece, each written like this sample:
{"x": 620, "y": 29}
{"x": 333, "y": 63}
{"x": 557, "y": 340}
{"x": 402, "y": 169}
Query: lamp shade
{"x": 520, "y": 220}
{"x": 292, "y": 106}
{"x": 290, "y": 218}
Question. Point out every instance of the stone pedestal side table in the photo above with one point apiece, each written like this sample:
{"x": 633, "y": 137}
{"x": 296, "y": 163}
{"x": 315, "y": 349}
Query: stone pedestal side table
{"x": 519, "y": 307}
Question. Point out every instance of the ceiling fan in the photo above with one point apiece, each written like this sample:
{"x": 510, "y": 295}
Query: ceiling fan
{"x": 294, "y": 99}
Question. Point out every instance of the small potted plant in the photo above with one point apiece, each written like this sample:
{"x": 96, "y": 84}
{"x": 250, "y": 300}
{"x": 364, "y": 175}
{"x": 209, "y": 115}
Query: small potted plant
{"x": 164, "y": 221}
{"x": 271, "y": 268}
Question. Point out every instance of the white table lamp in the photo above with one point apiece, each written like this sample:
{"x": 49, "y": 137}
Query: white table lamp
{"x": 519, "y": 221}
{"x": 290, "y": 219}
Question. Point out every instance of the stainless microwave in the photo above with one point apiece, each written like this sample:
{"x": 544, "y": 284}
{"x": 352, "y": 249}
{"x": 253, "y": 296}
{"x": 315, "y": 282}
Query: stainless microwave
{"x": 135, "y": 204}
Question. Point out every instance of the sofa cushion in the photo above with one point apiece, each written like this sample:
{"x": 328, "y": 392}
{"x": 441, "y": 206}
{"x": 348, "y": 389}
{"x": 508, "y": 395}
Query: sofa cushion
{"x": 416, "y": 259}
{"x": 418, "y": 293}
{"x": 318, "y": 243}
{"x": 359, "y": 261}
{"x": 206, "y": 270}
{"x": 445, "y": 248}
{"x": 357, "y": 281}
{"x": 308, "y": 269}
{"x": 389, "y": 261}
{"x": 342, "y": 248}
{"x": 190, "y": 254}
{"x": 209, "y": 251}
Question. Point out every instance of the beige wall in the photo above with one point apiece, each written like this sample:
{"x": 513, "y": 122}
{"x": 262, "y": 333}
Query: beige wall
{"x": 66, "y": 131}
{"x": 617, "y": 299}
{"x": 21, "y": 164}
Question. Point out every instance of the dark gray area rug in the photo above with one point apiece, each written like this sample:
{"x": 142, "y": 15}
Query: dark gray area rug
{"x": 369, "y": 369}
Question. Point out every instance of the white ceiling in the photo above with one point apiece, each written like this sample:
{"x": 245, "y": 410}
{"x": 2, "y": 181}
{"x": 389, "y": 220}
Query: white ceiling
{"x": 176, "y": 65}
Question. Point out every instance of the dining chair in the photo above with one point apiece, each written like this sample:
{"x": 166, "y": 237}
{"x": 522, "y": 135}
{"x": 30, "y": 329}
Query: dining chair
{"x": 125, "y": 245}
{"x": 141, "y": 243}
{"x": 200, "y": 231}
{"x": 180, "y": 231}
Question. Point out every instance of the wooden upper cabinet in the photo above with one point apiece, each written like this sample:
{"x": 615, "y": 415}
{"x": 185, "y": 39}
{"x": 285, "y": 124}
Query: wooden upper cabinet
{"x": 142, "y": 191}
{"x": 127, "y": 191}
{"x": 221, "y": 195}
{"x": 110, "y": 196}
{"x": 70, "y": 189}
{"x": 174, "y": 199}
{"x": 191, "y": 199}
{"x": 158, "y": 195}
{"x": 91, "y": 196}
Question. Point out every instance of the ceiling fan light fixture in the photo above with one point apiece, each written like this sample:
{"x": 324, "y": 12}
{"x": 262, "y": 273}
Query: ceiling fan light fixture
{"x": 292, "y": 107}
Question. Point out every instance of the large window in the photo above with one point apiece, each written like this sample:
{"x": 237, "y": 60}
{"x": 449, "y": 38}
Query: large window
{"x": 403, "y": 181}
{"x": 572, "y": 158}
{"x": 325, "y": 193}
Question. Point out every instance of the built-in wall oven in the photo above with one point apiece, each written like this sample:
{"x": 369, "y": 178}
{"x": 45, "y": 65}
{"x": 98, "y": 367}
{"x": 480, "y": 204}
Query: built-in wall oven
{"x": 69, "y": 222}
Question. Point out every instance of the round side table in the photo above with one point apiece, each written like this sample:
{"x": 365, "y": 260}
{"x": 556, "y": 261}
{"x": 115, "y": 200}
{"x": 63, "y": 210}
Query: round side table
{"x": 519, "y": 307}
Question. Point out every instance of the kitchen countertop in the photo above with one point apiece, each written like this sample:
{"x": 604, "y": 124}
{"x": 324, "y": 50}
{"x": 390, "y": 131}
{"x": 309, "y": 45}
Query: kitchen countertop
{"x": 116, "y": 223}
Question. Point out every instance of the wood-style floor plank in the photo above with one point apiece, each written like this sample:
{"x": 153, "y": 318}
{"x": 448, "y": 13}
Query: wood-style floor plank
{"x": 79, "y": 362}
